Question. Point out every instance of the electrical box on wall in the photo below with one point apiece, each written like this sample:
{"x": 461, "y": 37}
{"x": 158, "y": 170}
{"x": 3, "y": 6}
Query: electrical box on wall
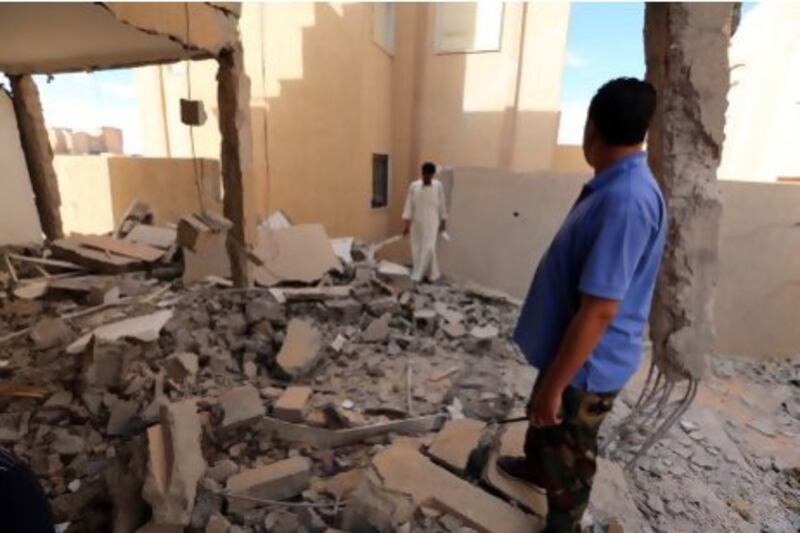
{"x": 192, "y": 112}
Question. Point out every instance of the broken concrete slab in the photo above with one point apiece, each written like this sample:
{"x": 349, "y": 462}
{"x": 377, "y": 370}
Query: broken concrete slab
{"x": 197, "y": 231}
{"x": 156, "y": 236}
{"x": 341, "y": 485}
{"x": 241, "y": 404}
{"x": 301, "y": 348}
{"x": 145, "y": 328}
{"x": 276, "y": 481}
{"x": 378, "y": 330}
{"x": 50, "y": 332}
{"x": 176, "y": 463}
{"x": 300, "y": 253}
{"x": 60, "y": 399}
{"x": 109, "y": 245}
{"x": 401, "y": 480}
{"x": 343, "y": 248}
{"x": 293, "y": 404}
{"x": 211, "y": 259}
{"x": 455, "y": 442}
{"x": 512, "y": 442}
{"x": 325, "y": 438}
{"x": 91, "y": 258}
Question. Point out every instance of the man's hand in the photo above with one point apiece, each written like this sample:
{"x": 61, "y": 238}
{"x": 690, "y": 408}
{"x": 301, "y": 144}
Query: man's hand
{"x": 544, "y": 407}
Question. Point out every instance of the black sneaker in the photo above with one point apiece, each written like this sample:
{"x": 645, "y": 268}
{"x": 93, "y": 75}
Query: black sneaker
{"x": 517, "y": 468}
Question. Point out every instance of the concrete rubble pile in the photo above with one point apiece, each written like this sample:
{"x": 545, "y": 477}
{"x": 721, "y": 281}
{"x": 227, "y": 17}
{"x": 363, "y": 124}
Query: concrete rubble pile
{"x": 348, "y": 400}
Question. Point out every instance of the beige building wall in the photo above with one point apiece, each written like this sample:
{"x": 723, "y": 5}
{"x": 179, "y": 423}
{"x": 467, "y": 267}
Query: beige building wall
{"x": 325, "y": 97}
{"x": 97, "y": 191}
{"x": 499, "y": 246}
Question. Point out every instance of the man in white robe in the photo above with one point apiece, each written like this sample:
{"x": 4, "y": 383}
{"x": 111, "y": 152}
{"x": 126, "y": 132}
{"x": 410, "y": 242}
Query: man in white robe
{"x": 425, "y": 215}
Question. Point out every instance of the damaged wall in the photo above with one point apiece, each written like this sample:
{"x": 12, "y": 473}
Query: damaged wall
{"x": 500, "y": 244}
{"x": 96, "y": 191}
{"x": 19, "y": 221}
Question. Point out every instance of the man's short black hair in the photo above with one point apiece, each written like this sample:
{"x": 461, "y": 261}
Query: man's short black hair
{"x": 428, "y": 168}
{"x": 622, "y": 109}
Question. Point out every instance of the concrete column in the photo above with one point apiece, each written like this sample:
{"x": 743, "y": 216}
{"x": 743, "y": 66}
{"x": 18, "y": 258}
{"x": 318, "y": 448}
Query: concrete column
{"x": 686, "y": 48}
{"x": 38, "y": 154}
{"x": 233, "y": 97}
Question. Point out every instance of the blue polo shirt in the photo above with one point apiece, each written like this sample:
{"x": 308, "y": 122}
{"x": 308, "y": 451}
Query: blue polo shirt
{"x": 609, "y": 246}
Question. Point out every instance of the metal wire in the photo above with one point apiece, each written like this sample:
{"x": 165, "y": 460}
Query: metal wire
{"x": 652, "y": 405}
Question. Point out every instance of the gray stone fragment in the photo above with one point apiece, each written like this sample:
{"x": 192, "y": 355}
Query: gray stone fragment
{"x": 241, "y": 404}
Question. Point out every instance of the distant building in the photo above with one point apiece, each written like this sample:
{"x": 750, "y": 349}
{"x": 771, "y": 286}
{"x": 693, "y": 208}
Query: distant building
{"x": 66, "y": 141}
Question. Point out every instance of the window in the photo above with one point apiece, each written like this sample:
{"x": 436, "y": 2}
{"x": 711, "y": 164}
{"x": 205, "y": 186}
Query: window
{"x": 469, "y": 27}
{"x": 380, "y": 180}
{"x": 383, "y": 26}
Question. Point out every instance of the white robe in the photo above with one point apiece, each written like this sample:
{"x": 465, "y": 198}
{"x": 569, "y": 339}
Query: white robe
{"x": 425, "y": 208}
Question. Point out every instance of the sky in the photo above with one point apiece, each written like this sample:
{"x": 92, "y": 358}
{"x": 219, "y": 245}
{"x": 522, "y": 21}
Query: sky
{"x": 605, "y": 41}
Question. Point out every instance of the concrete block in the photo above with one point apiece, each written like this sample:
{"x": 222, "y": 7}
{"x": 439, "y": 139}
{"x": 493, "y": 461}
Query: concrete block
{"x": 455, "y": 442}
{"x": 301, "y": 349}
{"x": 425, "y": 321}
{"x": 348, "y": 310}
{"x": 241, "y": 404}
{"x": 181, "y": 365}
{"x": 276, "y": 481}
{"x": 292, "y": 406}
{"x": 378, "y": 330}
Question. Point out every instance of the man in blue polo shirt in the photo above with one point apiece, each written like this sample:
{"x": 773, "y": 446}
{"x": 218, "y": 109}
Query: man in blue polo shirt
{"x": 582, "y": 323}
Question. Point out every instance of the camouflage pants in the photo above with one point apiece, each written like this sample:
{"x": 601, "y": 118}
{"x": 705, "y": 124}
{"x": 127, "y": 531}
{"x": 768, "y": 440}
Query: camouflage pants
{"x": 562, "y": 459}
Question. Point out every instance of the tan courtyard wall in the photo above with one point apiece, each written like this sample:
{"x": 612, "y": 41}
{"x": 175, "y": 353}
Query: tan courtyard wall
{"x": 501, "y": 223}
{"x": 19, "y": 220}
{"x": 96, "y": 191}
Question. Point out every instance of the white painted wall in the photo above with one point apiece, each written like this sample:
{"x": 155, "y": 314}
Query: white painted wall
{"x": 19, "y": 220}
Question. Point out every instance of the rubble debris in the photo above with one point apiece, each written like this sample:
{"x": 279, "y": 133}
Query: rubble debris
{"x": 145, "y": 328}
{"x": 301, "y": 349}
{"x": 241, "y": 404}
{"x": 483, "y": 333}
{"x": 105, "y": 254}
{"x": 121, "y": 418}
{"x": 455, "y": 442}
{"x": 13, "y": 426}
{"x": 293, "y": 405}
{"x": 300, "y": 253}
{"x": 611, "y": 499}
{"x": 31, "y": 290}
{"x": 277, "y": 220}
{"x": 276, "y": 481}
{"x": 137, "y": 213}
{"x": 347, "y": 310}
{"x": 199, "y": 230}
{"x": 425, "y": 321}
{"x": 325, "y": 438}
{"x": 175, "y": 464}
{"x": 343, "y": 248}
{"x": 401, "y": 479}
{"x": 49, "y": 333}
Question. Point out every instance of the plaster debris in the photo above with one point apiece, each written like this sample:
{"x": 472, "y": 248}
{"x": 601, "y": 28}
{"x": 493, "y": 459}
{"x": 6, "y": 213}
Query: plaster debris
{"x": 378, "y": 330}
{"x": 144, "y": 328}
{"x": 301, "y": 349}
{"x": 50, "y": 332}
{"x": 298, "y": 253}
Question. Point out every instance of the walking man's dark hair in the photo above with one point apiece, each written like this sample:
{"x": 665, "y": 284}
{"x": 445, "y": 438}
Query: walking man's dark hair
{"x": 428, "y": 168}
{"x": 621, "y": 111}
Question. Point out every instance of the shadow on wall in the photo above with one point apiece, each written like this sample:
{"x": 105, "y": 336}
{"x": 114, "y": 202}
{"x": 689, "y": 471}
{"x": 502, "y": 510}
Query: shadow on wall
{"x": 97, "y": 191}
{"x": 353, "y": 99}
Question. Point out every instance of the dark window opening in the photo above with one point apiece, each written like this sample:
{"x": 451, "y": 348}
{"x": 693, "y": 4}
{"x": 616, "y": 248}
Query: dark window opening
{"x": 380, "y": 180}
